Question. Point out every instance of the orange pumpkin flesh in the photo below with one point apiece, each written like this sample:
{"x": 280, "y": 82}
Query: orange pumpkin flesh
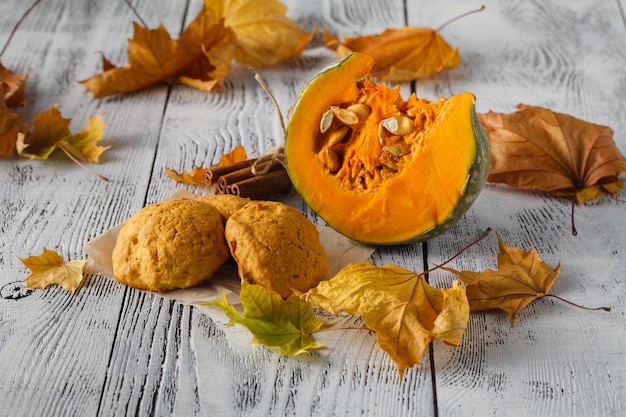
{"x": 380, "y": 186}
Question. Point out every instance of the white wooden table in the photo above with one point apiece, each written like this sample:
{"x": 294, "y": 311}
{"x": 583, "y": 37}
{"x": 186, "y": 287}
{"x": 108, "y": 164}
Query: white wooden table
{"x": 112, "y": 350}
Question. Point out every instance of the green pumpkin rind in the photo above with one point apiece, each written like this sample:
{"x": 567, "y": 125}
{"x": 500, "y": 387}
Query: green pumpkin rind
{"x": 306, "y": 107}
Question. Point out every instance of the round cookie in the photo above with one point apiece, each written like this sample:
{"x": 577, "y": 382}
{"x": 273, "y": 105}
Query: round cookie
{"x": 168, "y": 245}
{"x": 226, "y": 204}
{"x": 277, "y": 247}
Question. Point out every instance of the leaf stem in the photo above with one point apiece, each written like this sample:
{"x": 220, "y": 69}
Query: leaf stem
{"x": 345, "y": 328}
{"x": 132, "y": 8}
{"x": 17, "y": 25}
{"x": 80, "y": 164}
{"x": 574, "y": 231}
{"x": 577, "y": 305}
{"x": 481, "y": 237}
{"x": 480, "y": 9}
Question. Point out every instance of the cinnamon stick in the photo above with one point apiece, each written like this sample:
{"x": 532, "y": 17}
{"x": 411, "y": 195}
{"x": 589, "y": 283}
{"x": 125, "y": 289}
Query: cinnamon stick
{"x": 243, "y": 174}
{"x": 262, "y": 186}
{"x": 214, "y": 172}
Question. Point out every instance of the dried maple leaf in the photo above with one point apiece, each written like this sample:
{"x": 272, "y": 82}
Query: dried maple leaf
{"x": 51, "y": 130}
{"x": 264, "y": 34}
{"x": 13, "y": 87}
{"x": 50, "y": 269}
{"x": 537, "y": 148}
{"x": 238, "y": 154}
{"x": 406, "y": 312}
{"x": 196, "y": 176}
{"x": 9, "y": 128}
{"x": 521, "y": 278}
{"x": 402, "y": 54}
{"x": 200, "y": 58}
{"x": 284, "y": 326}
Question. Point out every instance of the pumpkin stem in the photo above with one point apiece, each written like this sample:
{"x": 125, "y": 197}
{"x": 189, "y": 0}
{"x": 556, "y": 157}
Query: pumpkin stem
{"x": 481, "y": 237}
{"x": 480, "y": 9}
{"x": 267, "y": 90}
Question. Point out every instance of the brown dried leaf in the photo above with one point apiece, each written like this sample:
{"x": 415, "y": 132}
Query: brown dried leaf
{"x": 402, "y": 54}
{"x": 537, "y": 148}
{"x": 200, "y": 58}
{"x": 9, "y": 128}
{"x": 521, "y": 278}
{"x": 13, "y": 87}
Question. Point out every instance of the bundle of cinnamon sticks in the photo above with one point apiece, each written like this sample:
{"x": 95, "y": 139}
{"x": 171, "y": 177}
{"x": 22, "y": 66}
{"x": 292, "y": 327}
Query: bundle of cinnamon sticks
{"x": 267, "y": 179}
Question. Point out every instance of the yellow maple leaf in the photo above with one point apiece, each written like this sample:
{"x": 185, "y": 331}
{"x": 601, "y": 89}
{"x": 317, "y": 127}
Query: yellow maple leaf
{"x": 238, "y": 154}
{"x": 264, "y": 34}
{"x": 51, "y": 130}
{"x": 50, "y": 269}
{"x": 196, "y": 176}
{"x": 404, "y": 310}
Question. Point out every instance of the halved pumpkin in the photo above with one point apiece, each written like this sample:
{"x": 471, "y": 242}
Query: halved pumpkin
{"x": 380, "y": 169}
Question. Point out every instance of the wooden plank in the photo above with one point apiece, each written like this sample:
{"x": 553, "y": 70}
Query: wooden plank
{"x": 56, "y": 347}
{"x": 211, "y": 369}
{"x": 557, "y": 360}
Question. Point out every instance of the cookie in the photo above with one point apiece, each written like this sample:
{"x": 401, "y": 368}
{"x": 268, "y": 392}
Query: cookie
{"x": 226, "y": 204}
{"x": 276, "y": 246}
{"x": 168, "y": 245}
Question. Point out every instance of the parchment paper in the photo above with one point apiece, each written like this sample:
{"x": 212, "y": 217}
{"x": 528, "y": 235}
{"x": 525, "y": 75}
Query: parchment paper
{"x": 340, "y": 251}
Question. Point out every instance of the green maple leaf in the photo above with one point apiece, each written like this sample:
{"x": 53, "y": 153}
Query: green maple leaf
{"x": 285, "y": 326}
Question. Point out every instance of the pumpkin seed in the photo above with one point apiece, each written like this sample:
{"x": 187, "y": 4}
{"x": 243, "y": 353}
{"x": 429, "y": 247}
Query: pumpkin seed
{"x": 363, "y": 98}
{"x": 398, "y": 125}
{"x": 332, "y": 160}
{"x": 327, "y": 120}
{"x": 336, "y": 136}
{"x": 382, "y": 137}
{"x": 346, "y": 116}
{"x": 360, "y": 109}
{"x": 398, "y": 149}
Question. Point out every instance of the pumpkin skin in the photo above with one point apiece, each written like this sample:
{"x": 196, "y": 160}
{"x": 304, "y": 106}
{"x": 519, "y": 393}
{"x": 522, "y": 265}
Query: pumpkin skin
{"x": 378, "y": 184}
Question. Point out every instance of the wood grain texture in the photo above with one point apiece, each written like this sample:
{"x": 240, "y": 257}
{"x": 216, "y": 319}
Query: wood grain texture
{"x": 557, "y": 358}
{"x": 112, "y": 350}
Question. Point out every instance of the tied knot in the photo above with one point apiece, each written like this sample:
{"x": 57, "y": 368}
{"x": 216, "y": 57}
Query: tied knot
{"x": 275, "y": 155}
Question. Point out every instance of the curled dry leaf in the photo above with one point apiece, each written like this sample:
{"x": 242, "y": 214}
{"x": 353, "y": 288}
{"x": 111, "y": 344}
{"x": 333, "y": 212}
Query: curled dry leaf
{"x": 9, "y": 128}
{"x": 402, "y": 54}
{"x": 200, "y": 58}
{"x": 50, "y": 269}
{"x": 198, "y": 175}
{"x": 521, "y": 278}
{"x": 13, "y": 87}
{"x": 537, "y": 148}
{"x": 250, "y": 31}
{"x": 284, "y": 326}
{"x": 406, "y": 312}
